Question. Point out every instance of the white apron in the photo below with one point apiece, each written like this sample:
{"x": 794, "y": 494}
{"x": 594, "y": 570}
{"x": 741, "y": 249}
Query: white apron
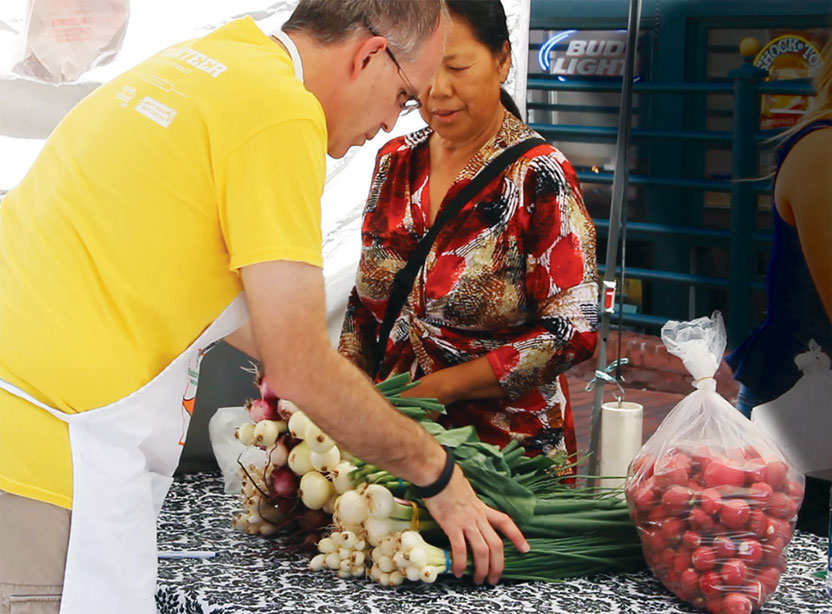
{"x": 123, "y": 459}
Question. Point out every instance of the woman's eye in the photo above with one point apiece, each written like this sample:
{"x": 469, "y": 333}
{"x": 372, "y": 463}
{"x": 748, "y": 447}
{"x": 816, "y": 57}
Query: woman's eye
{"x": 458, "y": 68}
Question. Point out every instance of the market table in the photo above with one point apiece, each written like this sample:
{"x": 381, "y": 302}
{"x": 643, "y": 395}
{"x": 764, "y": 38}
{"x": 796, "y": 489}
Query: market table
{"x": 255, "y": 575}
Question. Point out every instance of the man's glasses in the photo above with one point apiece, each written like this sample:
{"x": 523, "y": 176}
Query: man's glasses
{"x": 412, "y": 102}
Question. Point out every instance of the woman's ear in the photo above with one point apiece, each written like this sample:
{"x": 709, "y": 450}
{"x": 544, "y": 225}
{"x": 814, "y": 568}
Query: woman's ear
{"x": 504, "y": 61}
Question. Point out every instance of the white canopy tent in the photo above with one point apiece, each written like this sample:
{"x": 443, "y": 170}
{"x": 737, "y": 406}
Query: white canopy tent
{"x": 29, "y": 110}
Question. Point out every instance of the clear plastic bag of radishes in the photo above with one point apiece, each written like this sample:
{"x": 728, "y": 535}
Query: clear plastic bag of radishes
{"x": 714, "y": 500}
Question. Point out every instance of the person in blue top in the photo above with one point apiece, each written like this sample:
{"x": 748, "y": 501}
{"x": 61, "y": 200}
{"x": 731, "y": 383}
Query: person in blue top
{"x": 800, "y": 268}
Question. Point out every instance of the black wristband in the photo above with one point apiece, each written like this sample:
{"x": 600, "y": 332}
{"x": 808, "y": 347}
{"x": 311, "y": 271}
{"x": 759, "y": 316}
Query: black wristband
{"x": 441, "y": 482}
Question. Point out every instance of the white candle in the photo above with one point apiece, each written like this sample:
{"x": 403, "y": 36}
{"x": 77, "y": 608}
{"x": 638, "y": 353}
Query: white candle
{"x": 621, "y": 432}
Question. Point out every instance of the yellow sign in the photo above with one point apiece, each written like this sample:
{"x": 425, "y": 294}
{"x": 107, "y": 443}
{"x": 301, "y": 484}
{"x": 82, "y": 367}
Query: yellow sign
{"x": 785, "y": 57}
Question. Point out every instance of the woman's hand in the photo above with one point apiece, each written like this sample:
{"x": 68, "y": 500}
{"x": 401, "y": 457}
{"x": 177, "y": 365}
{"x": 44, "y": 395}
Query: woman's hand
{"x": 470, "y": 380}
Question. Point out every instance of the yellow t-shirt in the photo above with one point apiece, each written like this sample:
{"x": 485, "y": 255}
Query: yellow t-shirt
{"x": 124, "y": 240}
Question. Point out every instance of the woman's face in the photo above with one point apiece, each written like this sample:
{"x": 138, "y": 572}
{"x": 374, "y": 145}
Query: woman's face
{"x": 463, "y": 99}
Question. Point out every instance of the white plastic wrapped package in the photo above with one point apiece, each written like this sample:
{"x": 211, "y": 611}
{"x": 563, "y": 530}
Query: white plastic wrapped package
{"x": 714, "y": 499}
{"x": 62, "y": 39}
{"x": 227, "y": 448}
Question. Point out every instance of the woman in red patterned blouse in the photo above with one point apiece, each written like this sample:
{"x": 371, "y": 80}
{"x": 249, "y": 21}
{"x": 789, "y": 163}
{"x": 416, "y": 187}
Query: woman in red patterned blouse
{"x": 507, "y": 299}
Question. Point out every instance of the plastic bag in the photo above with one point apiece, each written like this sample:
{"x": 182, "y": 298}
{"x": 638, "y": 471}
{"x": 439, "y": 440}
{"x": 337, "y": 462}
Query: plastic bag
{"x": 714, "y": 500}
{"x": 800, "y": 419}
{"x": 62, "y": 39}
{"x": 227, "y": 448}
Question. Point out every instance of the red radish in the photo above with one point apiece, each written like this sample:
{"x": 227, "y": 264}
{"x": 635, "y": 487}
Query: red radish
{"x": 691, "y": 540}
{"x": 710, "y": 500}
{"x": 689, "y": 581}
{"x": 704, "y": 558}
{"x": 756, "y": 592}
{"x": 655, "y": 517}
{"x": 734, "y": 513}
{"x": 782, "y": 506}
{"x": 725, "y": 547}
{"x": 682, "y": 560}
{"x": 710, "y": 583}
{"x": 643, "y": 466}
{"x": 760, "y": 493}
{"x": 700, "y": 520}
{"x": 714, "y": 604}
{"x": 259, "y": 410}
{"x": 775, "y": 473}
{"x": 677, "y": 500}
{"x": 780, "y": 528}
{"x": 672, "y": 529}
{"x": 736, "y": 603}
{"x": 733, "y": 572}
{"x": 645, "y": 496}
{"x": 769, "y": 577}
{"x": 723, "y": 472}
{"x": 757, "y": 523}
{"x": 677, "y": 469}
{"x": 654, "y": 540}
{"x": 754, "y": 470}
{"x": 667, "y": 558}
{"x": 750, "y": 551}
{"x": 284, "y": 482}
{"x": 794, "y": 490}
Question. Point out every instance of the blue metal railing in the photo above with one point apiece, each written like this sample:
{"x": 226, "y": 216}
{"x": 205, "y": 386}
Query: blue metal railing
{"x": 746, "y": 140}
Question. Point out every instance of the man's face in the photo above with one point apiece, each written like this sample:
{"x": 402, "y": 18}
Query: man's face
{"x": 377, "y": 95}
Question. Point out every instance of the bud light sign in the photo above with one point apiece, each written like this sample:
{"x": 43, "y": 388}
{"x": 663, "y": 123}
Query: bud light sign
{"x": 588, "y": 54}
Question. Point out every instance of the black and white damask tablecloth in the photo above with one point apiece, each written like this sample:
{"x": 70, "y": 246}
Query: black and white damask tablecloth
{"x": 255, "y": 575}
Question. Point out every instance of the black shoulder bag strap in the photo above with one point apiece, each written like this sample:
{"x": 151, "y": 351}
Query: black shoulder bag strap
{"x": 403, "y": 281}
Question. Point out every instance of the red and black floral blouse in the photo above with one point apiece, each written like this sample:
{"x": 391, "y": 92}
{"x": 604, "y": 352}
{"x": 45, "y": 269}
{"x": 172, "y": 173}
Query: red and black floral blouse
{"x": 512, "y": 277}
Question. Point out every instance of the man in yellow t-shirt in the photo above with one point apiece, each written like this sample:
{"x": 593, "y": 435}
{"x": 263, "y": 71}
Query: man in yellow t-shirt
{"x": 161, "y": 196}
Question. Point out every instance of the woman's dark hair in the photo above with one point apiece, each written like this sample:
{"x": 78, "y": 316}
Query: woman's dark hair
{"x": 487, "y": 19}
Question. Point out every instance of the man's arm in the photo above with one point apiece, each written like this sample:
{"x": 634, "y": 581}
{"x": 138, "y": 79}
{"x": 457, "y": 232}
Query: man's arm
{"x": 243, "y": 339}
{"x": 287, "y": 306}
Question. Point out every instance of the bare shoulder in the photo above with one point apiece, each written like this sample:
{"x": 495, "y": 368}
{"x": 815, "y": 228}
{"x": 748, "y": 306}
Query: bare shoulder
{"x": 804, "y": 183}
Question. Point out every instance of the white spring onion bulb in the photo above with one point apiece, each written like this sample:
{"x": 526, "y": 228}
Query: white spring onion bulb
{"x": 341, "y": 476}
{"x": 314, "y": 490}
{"x": 360, "y": 545}
{"x": 412, "y": 573}
{"x": 428, "y": 574}
{"x": 329, "y": 506}
{"x": 337, "y": 538}
{"x": 396, "y": 578}
{"x": 379, "y": 501}
{"x": 348, "y": 539}
{"x": 267, "y": 528}
{"x": 384, "y": 579}
{"x": 297, "y": 424}
{"x": 352, "y": 509}
{"x": 357, "y": 558}
{"x": 375, "y": 573}
{"x": 326, "y": 545}
{"x": 376, "y": 554}
{"x": 345, "y": 565}
{"x": 287, "y": 408}
{"x": 325, "y": 462}
{"x": 418, "y": 557}
{"x": 399, "y": 561}
{"x": 245, "y": 433}
{"x": 278, "y": 456}
{"x": 344, "y": 553}
{"x": 266, "y": 433}
{"x": 410, "y": 540}
{"x": 332, "y": 561}
{"x": 318, "y": 562}
{"x": 299, "y": 459}
{"x": 344, "y": 574}
{"x": 385, "y": 564}
{"x": 358, "y": 571}
{"x": 317, "y": 440}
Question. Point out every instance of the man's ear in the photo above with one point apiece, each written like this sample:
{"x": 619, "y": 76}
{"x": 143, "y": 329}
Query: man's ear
{"x": 369, "y": 49}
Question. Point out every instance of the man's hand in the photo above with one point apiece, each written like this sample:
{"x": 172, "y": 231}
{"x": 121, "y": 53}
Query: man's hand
{"x": 464, "y": 518}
